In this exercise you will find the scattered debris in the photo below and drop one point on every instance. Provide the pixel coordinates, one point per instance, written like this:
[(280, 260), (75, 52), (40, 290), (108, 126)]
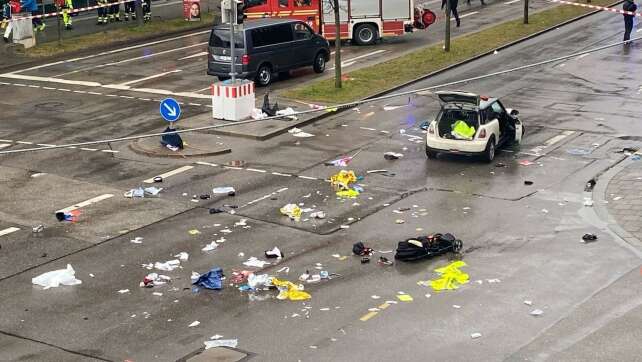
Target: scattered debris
[(361, 250), (229, 190), (392, 156), (528, 183), (142, 192), (123, 291), (166, 266), (211, 246), (588, 202), (288, 290), (451, 277), (475, 335), (255, 262), (384, 261), (587, 238), (157, 179), (193, 232), (318, 215), (590, 185), (194, 324), (38, 228), (210, 280), (427, 247), (183, 256), (526, 162), (55, 278), (299, 133), (500, 165), (137, 240), (274, 253), (528, 302), (71, 216), (231, 343), (153, 279), (365, 260), (292, 211), (537, 312), (405, 298)]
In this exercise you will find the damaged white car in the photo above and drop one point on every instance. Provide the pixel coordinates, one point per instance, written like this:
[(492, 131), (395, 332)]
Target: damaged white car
[(472, 125)]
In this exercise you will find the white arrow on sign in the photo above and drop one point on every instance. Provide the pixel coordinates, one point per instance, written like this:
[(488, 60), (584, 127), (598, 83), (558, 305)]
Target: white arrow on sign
[(171, 110)]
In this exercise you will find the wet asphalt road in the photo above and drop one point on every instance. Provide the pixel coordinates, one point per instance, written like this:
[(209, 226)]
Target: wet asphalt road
[(520, 242)]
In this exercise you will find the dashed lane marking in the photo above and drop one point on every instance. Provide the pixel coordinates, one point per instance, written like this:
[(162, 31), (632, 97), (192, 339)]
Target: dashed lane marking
[(8, 231), (11, 142), (264, 197), (260, 171), (170, 173), (4, 145), (558, 138), (368, 315), (512, 2), (86, 203)]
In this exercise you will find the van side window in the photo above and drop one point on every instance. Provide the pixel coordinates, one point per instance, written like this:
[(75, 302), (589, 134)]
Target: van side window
[(271, 35), (302, 32), (283, 3)]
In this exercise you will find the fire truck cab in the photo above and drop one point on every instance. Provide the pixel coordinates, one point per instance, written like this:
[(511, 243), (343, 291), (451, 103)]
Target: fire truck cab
[(362, 21)]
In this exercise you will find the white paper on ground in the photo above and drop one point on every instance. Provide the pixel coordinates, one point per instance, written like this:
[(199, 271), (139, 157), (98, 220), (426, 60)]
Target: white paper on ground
[(56, 278), (231, 343), (223, 190), (255, 262), (182, 256)]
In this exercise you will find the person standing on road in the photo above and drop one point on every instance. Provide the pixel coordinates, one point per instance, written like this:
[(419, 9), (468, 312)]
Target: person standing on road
[(629, 6), (114, 11), (453, 8), (147, 10), (102, 12), (65, 6), (130, 9), (32, 7)]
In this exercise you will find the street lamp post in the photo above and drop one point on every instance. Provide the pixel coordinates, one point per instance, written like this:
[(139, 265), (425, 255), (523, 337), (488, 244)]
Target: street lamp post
[(232, 44)]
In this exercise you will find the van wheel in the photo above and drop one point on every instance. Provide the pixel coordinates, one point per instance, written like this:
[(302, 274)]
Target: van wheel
[(319, 63), (431, 154), (264, 75), (365, 34), (489, 153)]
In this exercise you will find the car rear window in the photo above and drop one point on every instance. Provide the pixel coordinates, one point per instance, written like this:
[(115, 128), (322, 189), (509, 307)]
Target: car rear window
[(220, 38), (271, 35)]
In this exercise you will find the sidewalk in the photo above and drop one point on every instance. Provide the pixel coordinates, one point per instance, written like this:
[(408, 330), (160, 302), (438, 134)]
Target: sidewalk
[(624, 194)]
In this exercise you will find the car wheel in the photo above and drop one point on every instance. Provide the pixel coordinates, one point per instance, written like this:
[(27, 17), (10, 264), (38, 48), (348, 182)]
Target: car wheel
[(319, 63), (489, 153), (431, 154), (264, 75), (365, 34)]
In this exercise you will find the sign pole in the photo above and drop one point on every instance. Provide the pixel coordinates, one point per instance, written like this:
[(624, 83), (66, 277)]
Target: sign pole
[(232, 45)]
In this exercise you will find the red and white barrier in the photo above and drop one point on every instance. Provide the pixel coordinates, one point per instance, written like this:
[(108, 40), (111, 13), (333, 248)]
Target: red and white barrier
[(233, 101), (70, 11), (618, 11)]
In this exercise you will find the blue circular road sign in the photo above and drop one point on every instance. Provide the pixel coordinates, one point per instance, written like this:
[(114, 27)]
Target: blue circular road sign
[(170, 110)]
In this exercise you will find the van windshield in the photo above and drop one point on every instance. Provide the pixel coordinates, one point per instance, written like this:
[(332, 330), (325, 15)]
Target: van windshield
[(220, 38)]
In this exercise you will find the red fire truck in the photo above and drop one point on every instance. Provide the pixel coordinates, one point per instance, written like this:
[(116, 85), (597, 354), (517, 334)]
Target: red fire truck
[(362, 21)]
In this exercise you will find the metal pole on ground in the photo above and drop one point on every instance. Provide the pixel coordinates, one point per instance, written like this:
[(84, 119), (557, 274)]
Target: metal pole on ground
[(337, 45), (525, 11), (447, 40)]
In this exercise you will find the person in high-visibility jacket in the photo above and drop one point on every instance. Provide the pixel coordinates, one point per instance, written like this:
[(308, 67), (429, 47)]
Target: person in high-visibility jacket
[(130, 9), (147, 10), (65, 6), (102, 12), (114, 11)]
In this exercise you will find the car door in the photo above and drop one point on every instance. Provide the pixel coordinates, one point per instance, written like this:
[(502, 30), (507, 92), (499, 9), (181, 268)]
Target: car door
[(303, 45), (502, 121)]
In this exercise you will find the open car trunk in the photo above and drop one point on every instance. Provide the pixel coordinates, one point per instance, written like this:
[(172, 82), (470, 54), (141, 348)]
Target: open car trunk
[(448, 124)]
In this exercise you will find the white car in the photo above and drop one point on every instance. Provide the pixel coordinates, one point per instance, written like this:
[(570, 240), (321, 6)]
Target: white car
[(472, 125)]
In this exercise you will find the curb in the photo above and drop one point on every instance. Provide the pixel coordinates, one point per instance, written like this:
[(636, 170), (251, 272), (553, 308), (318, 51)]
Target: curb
[(453, 66), (98, 48), (603, 180), (151, 153)]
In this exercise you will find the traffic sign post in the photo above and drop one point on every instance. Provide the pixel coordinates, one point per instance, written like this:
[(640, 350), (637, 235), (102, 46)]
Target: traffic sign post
[(170, 110)]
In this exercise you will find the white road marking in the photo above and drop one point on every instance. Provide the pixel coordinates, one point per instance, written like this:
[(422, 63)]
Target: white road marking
[(265, 197), (193, 56), (88, 149), (511, 2), (170, 173), (86, 203), (45, 145), (8, 231), (351, 61), (558, 138), (281, 174), (109, 151), (24, 142), (587, 54), (465, 15), (115, 51), (255, 170), (49, 80), (233, 168), (307, 177), (201, 90), (150, 77), (206, 164), (4, 145), (95, 93), (10, 141), (142, 57)]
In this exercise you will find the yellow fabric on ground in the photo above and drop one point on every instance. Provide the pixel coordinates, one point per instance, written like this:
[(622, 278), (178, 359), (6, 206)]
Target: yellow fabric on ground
[(289, 290), (451, 277)]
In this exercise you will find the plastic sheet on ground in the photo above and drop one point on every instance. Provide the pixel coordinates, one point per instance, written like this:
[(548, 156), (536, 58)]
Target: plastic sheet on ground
[(167, 266), (223, 190), (255, 262), (231, 343), (211, 279), (289, 290), (56, 278), (451, 277), (256, 281), (299, 133), (292, 210)]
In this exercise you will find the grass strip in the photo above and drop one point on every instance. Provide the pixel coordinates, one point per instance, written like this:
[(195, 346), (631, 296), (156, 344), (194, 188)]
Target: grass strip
[(112, 36), (371, 80)]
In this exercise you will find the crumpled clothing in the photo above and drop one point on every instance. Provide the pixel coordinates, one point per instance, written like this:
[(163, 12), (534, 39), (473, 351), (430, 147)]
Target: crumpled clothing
[(341, 162), (343, 179), (211, 280), (350, 193), (293, 211), (289, 290), (451, 277), (461, 130)]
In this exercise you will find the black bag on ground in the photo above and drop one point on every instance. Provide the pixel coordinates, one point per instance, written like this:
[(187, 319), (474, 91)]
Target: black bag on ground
[(427, 247)]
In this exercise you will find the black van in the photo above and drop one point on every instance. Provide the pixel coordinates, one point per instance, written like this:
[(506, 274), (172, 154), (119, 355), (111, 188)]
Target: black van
[(264, 47)]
